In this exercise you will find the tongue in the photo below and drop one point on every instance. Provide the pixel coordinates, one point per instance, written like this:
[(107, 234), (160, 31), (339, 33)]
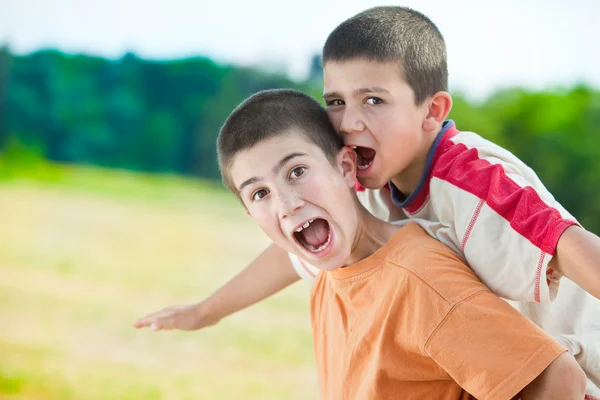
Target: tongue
[(317, 232)]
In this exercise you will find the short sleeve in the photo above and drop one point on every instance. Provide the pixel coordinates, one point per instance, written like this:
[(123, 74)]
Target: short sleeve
[(489, 349)]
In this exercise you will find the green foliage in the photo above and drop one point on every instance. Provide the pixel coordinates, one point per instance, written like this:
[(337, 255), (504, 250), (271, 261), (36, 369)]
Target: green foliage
[(165, 116), (128, 113), (18, 160)]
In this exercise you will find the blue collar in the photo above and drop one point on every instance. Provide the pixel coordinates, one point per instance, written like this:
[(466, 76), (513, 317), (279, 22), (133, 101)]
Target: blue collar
[(398, 198)]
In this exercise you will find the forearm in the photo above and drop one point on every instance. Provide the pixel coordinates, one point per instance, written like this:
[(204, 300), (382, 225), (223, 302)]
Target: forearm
[(578, 258), (269, 273)]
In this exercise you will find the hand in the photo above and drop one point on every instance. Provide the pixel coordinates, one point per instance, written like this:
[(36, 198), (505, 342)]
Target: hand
[(186, 318)]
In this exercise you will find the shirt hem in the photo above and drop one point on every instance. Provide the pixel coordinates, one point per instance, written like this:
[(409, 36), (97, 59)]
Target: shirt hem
[(524, 375)]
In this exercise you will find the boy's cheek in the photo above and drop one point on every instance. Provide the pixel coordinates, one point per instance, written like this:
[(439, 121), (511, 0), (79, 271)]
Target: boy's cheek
[(335, 120), (256, 217), (270, 229)]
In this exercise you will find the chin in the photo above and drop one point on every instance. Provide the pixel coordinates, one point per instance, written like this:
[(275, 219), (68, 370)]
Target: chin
[(372, 183)]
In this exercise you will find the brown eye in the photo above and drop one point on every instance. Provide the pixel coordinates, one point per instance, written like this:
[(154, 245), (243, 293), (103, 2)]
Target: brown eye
[(259, 194), (297, 172)]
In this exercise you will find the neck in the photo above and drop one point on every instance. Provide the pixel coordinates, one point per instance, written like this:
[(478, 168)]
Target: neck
[(408, 180), (371, 235)]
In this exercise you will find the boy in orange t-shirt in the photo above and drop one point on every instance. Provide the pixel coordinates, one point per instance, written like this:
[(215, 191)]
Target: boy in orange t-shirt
[(403, 317)]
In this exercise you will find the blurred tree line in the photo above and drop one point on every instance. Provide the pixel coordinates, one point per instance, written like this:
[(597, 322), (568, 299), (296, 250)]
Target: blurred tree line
[(164, 117), (129, 113)]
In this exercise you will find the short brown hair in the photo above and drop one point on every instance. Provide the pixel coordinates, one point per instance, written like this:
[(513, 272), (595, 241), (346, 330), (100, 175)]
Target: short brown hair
[(271, 113), (394, 34)]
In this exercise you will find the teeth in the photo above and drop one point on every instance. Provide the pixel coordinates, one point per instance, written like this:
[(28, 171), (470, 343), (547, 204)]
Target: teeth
[(363, 167), (353, 147), (306, 225)]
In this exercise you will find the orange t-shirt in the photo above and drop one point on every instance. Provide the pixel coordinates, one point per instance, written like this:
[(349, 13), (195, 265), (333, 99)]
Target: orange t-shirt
[(412, 321)]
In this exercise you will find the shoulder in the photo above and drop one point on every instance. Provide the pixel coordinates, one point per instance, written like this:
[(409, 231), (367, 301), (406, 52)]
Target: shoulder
[(466, 152), (432, 265)]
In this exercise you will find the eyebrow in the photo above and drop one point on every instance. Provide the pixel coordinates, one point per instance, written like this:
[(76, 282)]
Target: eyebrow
[(372, 89), (275, 169)]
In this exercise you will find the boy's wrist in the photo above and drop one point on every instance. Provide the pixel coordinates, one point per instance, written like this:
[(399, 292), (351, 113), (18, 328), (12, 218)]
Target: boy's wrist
[(206, 313)]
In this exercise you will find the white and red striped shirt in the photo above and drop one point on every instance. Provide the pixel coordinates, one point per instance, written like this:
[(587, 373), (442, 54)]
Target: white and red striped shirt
[(492, 209)]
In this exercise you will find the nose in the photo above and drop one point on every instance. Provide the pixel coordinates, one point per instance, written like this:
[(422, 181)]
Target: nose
[(351, 121), (289, 203)]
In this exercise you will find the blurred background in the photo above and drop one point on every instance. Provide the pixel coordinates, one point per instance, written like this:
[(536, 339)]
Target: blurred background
[(110, 204)]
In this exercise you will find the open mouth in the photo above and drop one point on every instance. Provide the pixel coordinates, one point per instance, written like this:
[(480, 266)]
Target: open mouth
[(365, 157), (314, 235)]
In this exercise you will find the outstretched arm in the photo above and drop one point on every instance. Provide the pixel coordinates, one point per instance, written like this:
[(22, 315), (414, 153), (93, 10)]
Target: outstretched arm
[(578, 258), (269, 273)]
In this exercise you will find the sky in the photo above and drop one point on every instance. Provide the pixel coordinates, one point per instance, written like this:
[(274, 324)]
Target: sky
[(532, 43)]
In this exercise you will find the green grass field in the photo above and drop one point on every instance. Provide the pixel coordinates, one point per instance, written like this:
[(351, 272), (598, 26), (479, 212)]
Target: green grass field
[(84, 252)]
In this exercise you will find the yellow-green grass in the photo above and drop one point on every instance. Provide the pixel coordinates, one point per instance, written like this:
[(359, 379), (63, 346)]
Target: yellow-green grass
[(84, 252)]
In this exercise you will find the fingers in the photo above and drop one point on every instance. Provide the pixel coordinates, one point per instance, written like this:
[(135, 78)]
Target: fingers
[(146, 321), (159, 320), (163, 323)]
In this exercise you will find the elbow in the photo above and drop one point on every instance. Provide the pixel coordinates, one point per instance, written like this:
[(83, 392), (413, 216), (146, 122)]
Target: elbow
[(562, 379)]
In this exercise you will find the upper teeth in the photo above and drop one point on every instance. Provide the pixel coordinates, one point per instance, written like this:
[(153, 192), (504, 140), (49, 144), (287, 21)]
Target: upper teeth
[(353, 147), (306, 224)]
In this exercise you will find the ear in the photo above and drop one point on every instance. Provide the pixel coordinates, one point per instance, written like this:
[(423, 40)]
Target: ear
[(439, 106), (346, 161)]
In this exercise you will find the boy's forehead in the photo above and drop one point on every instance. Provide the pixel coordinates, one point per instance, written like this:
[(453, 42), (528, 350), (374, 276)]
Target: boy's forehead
[(355, 74), (288, 140), (269, 153)]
